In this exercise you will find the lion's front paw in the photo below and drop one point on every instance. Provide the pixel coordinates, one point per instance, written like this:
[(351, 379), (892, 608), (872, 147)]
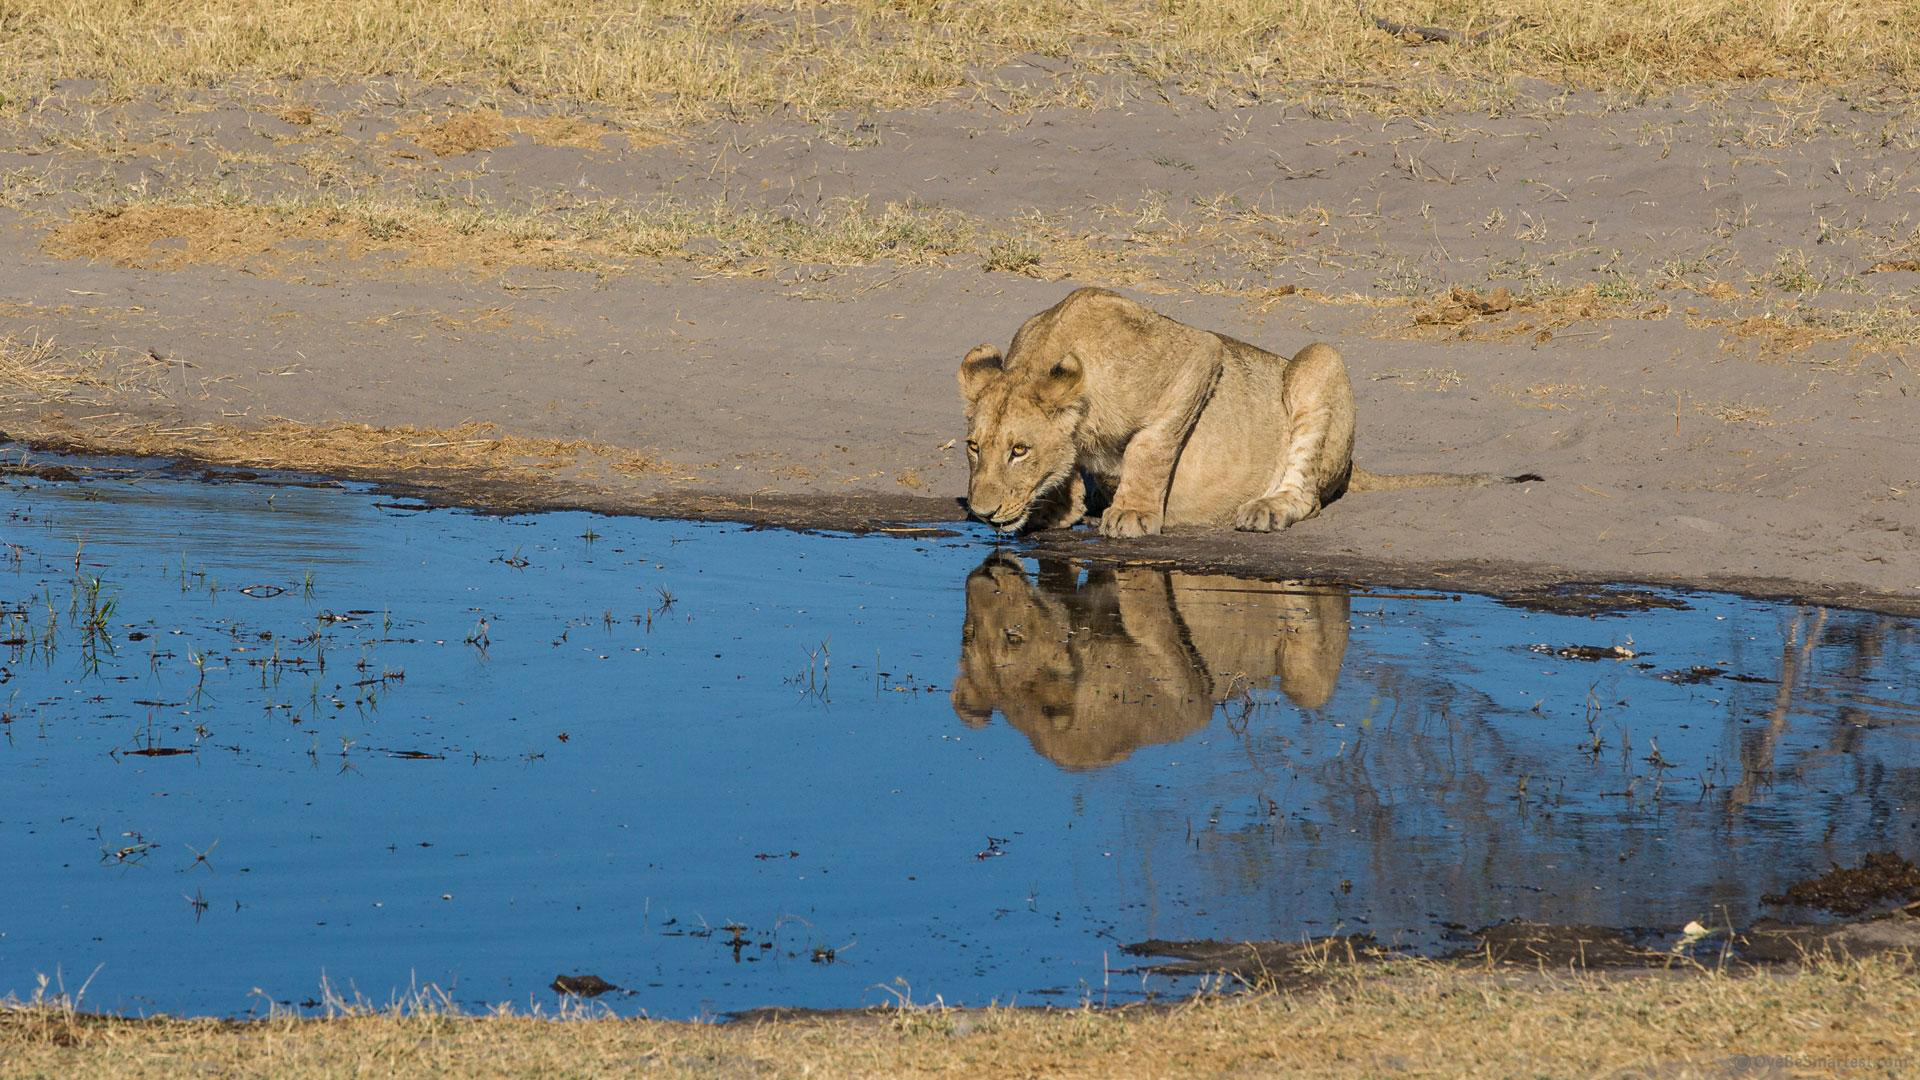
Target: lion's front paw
[(1274, 512), (1127, 524)]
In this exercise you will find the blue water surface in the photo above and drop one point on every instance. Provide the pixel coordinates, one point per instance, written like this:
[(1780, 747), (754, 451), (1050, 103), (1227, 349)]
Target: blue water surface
[(261, 736)]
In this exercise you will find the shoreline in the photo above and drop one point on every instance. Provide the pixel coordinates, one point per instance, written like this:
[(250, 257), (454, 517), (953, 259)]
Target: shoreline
[(1541, 585)]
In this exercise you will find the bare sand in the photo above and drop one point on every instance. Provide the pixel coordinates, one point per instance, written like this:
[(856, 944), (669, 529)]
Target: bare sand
[(1710, 357)]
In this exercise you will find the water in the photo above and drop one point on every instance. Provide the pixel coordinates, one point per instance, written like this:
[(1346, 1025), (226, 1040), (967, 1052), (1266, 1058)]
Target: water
[(726, 768)]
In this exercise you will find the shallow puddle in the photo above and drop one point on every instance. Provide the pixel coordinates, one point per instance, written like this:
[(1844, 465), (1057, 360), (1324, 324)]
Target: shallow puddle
[(259, 735)]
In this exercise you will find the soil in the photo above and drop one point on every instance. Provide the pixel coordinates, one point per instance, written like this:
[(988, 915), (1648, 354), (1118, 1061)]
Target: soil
[(586, 986), (1543, 946), (1881, 877), (1658, 354), (1273, 964)]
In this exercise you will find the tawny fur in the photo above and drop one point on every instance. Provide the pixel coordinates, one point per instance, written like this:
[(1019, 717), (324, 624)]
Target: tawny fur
[(1180, 426), (1091, 671)]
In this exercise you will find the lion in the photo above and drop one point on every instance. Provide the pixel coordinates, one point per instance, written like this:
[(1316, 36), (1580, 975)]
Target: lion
[(1100, 397), (1133, 656)]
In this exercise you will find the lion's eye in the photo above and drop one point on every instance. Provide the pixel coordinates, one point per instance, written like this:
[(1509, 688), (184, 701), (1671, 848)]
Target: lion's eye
[(1015, 637), (1019, 451), (972, 447)]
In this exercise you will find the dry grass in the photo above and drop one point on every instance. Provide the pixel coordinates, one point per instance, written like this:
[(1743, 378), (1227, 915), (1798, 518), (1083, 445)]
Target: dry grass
[(1465, 314), (1132, 246), (38, 372), (229, 228), (168, 234), (657, 59), (1887, 328), (1851, 1017), (485, 129), (41, 383), (475, 450)]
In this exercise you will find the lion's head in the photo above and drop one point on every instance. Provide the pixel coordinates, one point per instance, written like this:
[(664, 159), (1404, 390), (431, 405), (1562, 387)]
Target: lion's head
[(1014, 643), (1087, 671), (1021, 425)]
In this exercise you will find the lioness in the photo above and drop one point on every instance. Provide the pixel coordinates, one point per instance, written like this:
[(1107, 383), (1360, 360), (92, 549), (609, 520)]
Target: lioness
[(1101, 396), (1091, 671)]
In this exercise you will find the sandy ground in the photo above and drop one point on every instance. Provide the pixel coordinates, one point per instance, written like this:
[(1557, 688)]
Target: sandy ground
[(1710, 361)]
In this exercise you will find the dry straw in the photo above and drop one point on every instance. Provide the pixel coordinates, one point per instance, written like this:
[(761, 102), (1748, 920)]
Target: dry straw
[(658, 61)]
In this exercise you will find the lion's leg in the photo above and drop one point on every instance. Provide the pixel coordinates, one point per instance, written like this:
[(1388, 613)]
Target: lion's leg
[(1319, 447), (1151, 617), (1064, 508), (1146, 465)]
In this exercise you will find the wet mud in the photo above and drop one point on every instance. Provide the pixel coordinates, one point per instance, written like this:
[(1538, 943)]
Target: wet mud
[(1882, 877), (1534, 946)]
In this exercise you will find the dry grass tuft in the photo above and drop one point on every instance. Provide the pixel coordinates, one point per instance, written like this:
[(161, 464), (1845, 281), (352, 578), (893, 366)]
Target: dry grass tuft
[(38, 372), (1776, 336), (1888, 328), (1436, 379), (1466, 314), (487, 129), (1742, 412), (1417, 1020)]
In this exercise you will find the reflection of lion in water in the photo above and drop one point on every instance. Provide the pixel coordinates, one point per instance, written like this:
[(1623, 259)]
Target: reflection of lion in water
[(1092, 671)]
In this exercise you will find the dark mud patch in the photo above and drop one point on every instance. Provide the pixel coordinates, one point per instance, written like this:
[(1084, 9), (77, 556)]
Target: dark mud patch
[(1585, 652), (582, 986), (1590, 599), (123, 469), (1264, 964), (1536, 944), (1287, 964), (1882, 877), (1770, 942), (60, 474), (1527, 586), (1701, 674)]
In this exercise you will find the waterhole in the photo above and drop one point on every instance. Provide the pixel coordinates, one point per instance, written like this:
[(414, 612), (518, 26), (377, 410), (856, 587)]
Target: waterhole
[(266, 742)]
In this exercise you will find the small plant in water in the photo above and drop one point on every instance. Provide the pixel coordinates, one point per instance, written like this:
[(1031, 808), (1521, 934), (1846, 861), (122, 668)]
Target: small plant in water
[(478, 637), (1594, 743), (812, 680)]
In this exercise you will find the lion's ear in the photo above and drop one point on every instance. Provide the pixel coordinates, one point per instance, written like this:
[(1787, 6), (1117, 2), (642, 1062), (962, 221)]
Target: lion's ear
[(1061, 383), (981, 363)]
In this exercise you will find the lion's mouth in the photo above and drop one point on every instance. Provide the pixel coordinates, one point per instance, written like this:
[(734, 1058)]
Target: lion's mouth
[(1015, 522)]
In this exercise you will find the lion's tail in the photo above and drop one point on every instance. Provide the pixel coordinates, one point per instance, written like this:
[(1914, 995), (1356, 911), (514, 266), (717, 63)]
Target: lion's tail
[(1362, 480)]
